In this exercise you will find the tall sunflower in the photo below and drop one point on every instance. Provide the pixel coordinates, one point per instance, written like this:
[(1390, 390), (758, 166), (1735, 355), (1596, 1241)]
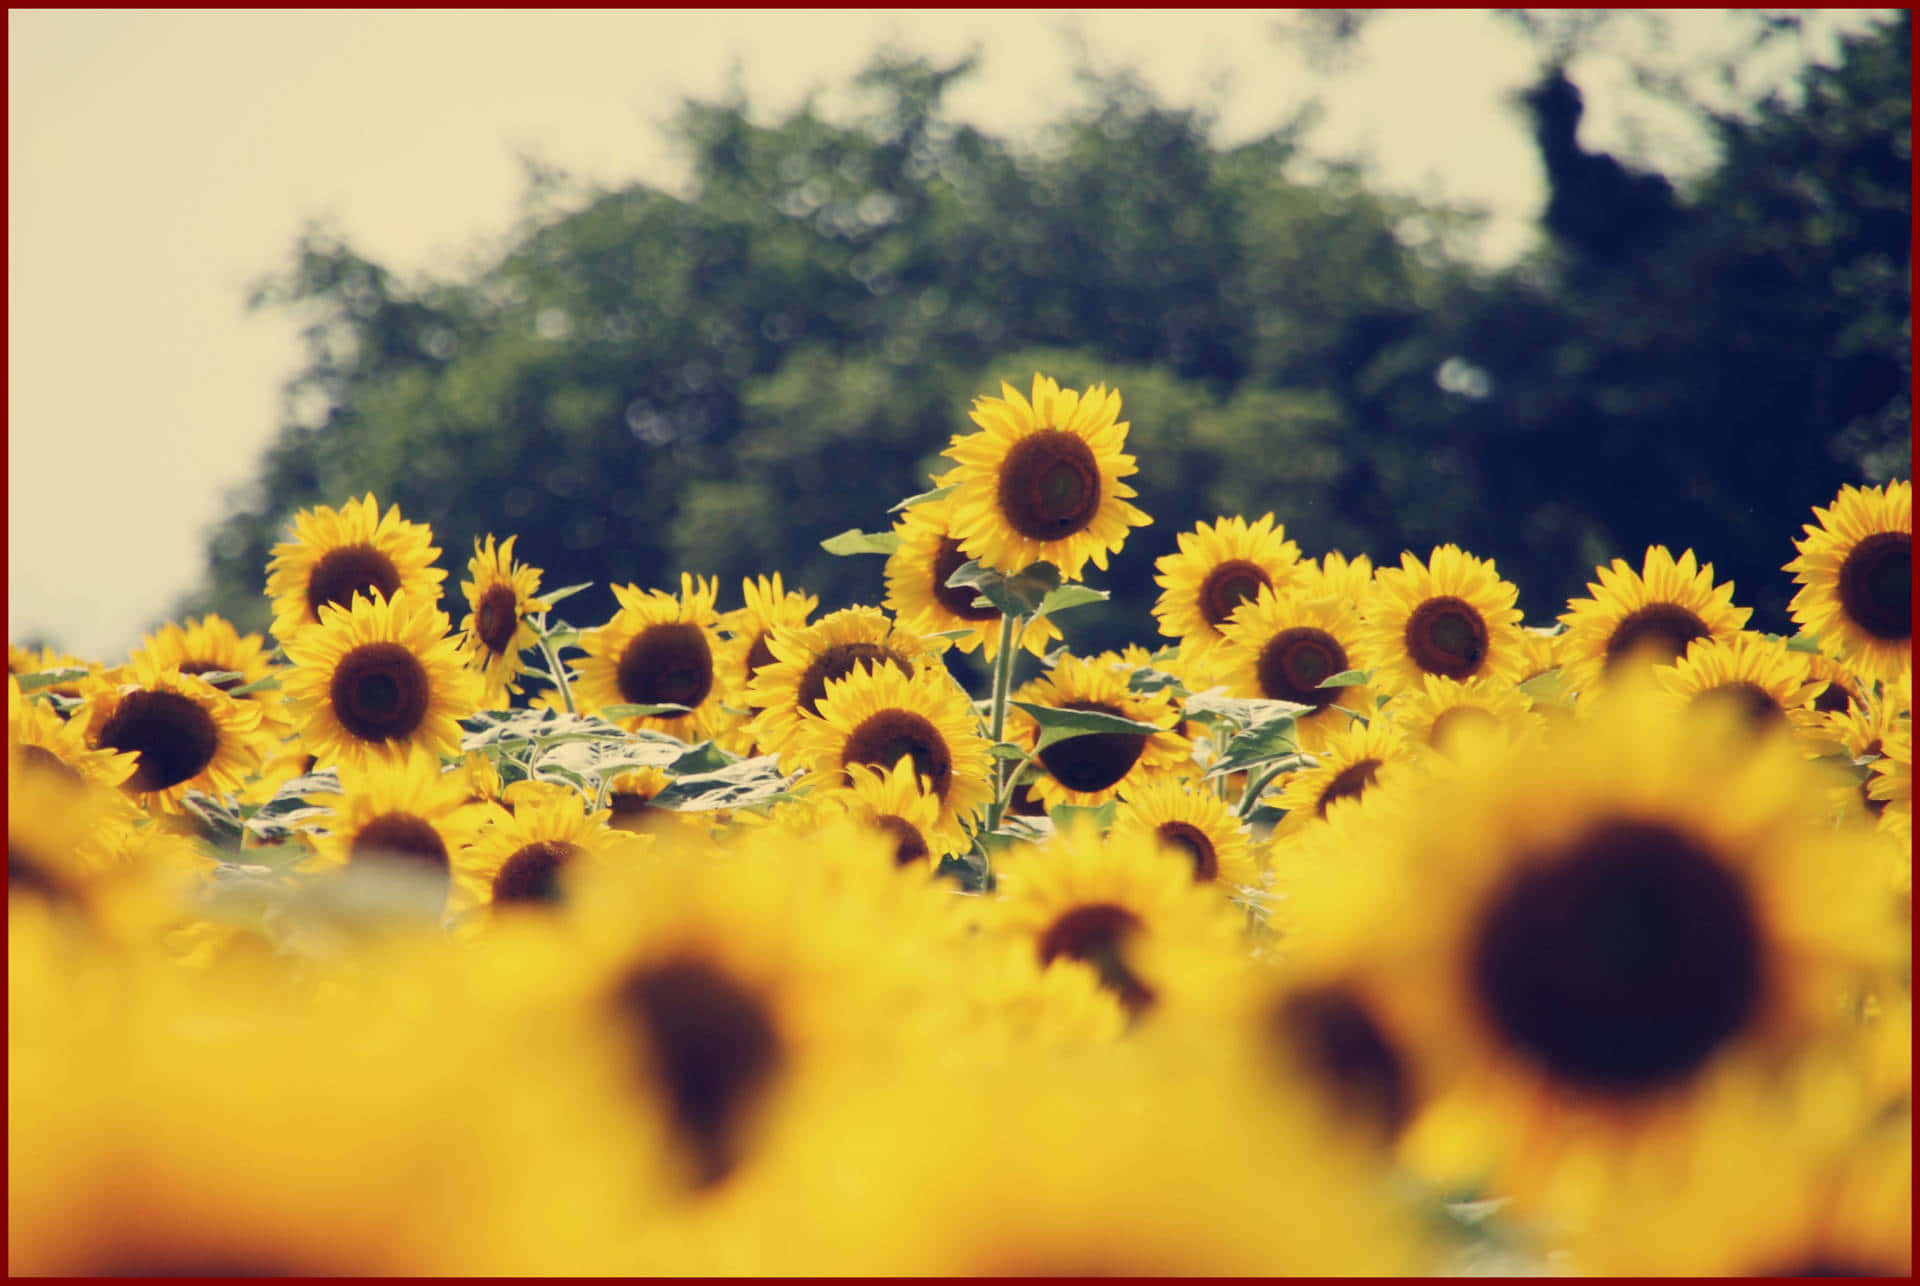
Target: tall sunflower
[(1041, 482), (377, 678), (1219, 566), (657, 650), (1283, 645), (1196, 826), (405, 814), (919, 596), (354, 550), (1452, 616), (806, 659), (495, 630), (1855, 572), (1651, 614), (186, 734), (1092, 769)]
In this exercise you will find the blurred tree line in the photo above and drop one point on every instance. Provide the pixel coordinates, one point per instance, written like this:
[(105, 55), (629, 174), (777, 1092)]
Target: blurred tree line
[(646, 383)]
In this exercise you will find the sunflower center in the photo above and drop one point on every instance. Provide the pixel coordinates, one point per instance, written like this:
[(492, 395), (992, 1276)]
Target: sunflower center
[(759, 656), (957, 599), (532, 874), (667, 664), (1876, 585), (41, 760), (1833, 699), (1459, 721), (1349, 783), (1755, 704), (1294, 663), (29, 877), (1095, 935), (712, 1044), (882, 740), (411, 844), (175, 738), (1446, 636), (837, 662), (351, 569), (909, 845), (1049, 485), (1098, 760), (1330, 1031), (631, 810), (210, 667), (1194, 844), (380, 692), (1663, 630), (1232, 583), (497, 619), (1622, 962), (1024, 802)]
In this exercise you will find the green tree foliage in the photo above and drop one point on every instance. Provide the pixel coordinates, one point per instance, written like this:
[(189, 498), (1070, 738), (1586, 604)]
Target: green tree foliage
[(644, 383)]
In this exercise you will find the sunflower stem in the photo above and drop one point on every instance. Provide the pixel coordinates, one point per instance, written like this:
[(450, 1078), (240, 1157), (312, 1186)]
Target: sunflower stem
[(555, 670), (1255, 785), (1002, 682)]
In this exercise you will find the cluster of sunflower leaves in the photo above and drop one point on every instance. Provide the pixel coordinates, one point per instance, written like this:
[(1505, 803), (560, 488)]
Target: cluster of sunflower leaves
[(1355, 928)]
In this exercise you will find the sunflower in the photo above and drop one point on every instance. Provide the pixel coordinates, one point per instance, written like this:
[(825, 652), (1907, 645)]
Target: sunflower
[(1194, 825), (1220, 566), (919, 596), (1041, 480), (1651, 614), (527, 858), (337, 554), (770, 606), (1768, 683), (1855, 572), (61, 834), (878, 716), (186, 734), (405, 815), (1348, 766), (1283, 645), (1891, 785), (495, 631), (792, 687), (1441, 712), (1092, 769), (894, 801), (44, 742), (657, 650), (24, 661), (377, 678), (1452, 616), (1346, 579)]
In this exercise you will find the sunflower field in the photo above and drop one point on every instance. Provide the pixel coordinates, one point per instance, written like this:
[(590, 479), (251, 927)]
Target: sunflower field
[(1344, 924)]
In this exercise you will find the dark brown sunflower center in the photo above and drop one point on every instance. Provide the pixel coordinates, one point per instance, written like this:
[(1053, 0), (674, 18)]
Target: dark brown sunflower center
[(1232, 583), (1049, 485), (1876, 585), (351, 569), (1098, 760), (410, 844), (1622, 962), (883, 739), (1662, 630), (712, 1045), (1096, 934), (30, 877), (957, 599), (1024, 802), (497, 619), (760, 655), (666, 664), (532, 874), (380, 692), (210, 667), (175, 738), (1330, 1032), (1349, 783), (1755, 704), (837, 662), (909, 845), (631, 810), (1193, 842), (41, 760), (1461, 720), (1446, 636), (1295, 662), (1833, 699)]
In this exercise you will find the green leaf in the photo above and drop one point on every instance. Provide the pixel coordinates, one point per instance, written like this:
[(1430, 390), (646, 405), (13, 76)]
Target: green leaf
[(642, 711), (1065, 816), (736, 785), (268, 683), (1804, 643), (494, 730), (553, 596), (607, 758), (950, 636), (1017, 595), (49, 678), (702, 759), (1346, 679), (563, 635), (1544, 686), (854, 541), (218, 677), (1007, 750), (1246, 712), (1057, 725), (1148, 679), (1273, 739), (925, 497), (1070, 596)]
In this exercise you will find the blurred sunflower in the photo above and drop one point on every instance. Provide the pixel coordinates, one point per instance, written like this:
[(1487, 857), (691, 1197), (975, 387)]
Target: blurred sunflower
[(1759, 676), (877, 716), (1282, 646), (1855, 571), (43, 742), (526, 858), (495, 631), (1347, 767), (791, 688), (24, 661), (1041, 481), (1891, 785), (769, 606), (1452, 616), (657, 650), (406, 815), (185, 733), (1092, 769), (630, 805), (1652, 615), (919, 596), (1196, 826), (1442, 712), (336, 554), (1219, 566), (373, 680), (895, 801)]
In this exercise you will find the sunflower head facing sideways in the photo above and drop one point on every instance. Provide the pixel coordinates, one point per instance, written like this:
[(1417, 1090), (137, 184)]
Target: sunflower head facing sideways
[(336, 554), (659, 649), (770, 606), (1644, 618), (918, 593), (495, 630), (1194, 826), (1855, 573), (1041, 480), (1350, 764), (1219, 566), (212, 645), (790, 689), (1451, 615)]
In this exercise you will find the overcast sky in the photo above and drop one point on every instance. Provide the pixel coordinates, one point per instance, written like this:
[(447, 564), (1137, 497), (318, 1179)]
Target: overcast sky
[(160, 162)]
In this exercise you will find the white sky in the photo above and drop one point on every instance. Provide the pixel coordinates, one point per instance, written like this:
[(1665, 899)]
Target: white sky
[(160, 162)]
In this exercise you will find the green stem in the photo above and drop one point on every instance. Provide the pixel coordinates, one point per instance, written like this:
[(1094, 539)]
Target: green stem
[(555, 670), (997, 723), (1255, 785)]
